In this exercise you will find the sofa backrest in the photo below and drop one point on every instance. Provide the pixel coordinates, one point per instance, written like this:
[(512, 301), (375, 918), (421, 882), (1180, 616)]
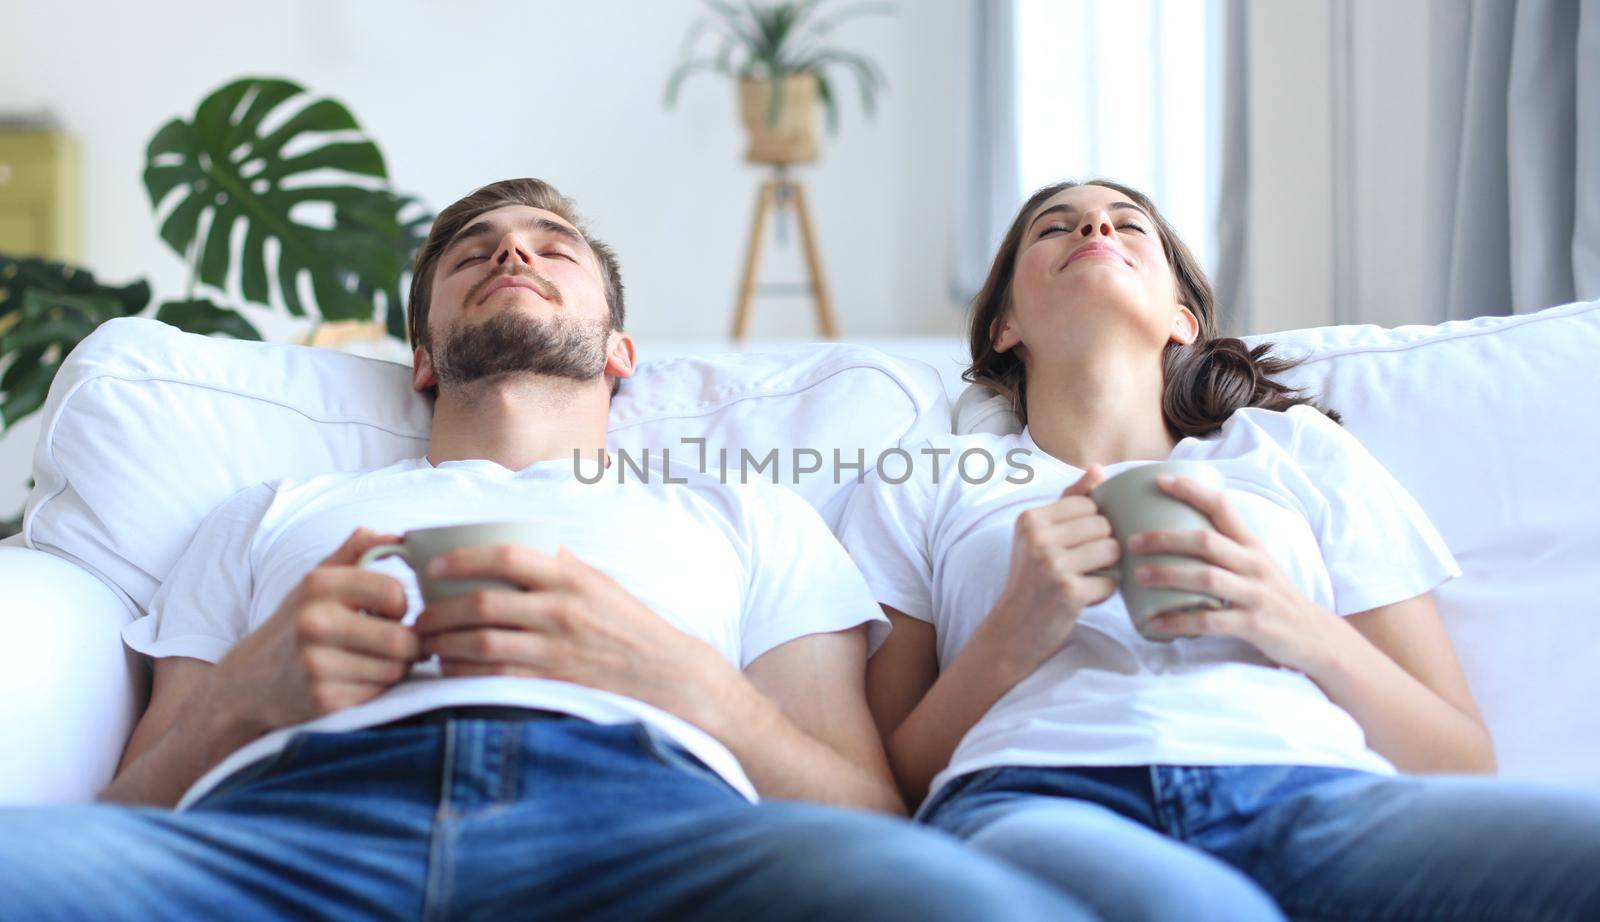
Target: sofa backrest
[(1493, 424), (147, 428)]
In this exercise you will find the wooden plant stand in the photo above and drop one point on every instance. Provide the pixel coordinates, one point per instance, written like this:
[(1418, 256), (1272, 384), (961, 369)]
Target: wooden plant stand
[(775, 196)]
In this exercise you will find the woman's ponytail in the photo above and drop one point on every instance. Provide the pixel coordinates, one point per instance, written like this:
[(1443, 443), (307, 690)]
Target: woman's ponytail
[(1207, 381)]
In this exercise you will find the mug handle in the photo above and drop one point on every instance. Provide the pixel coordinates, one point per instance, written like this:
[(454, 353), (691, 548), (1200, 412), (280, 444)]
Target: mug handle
[(381, 551), (378, 553)]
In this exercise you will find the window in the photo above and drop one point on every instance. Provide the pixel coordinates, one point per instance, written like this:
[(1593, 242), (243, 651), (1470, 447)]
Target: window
[(1130, 90)]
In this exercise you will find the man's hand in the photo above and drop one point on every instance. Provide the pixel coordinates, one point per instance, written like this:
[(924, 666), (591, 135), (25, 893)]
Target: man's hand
[(318, 653), (571, 622)]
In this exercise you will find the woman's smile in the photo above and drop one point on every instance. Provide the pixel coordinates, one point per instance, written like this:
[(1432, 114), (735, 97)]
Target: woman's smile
[(1092, 250)]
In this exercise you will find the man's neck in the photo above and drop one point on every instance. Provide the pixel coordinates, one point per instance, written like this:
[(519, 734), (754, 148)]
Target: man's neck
[(515, 422)]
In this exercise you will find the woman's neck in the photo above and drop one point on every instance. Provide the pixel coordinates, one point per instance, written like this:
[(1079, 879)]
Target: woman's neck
[(1100, 408)]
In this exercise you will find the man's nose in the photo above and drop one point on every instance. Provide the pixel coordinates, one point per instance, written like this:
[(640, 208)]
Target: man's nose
[(1096, 221), (511, 248)]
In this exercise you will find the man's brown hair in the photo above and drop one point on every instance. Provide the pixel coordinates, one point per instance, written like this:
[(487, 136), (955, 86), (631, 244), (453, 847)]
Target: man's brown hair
[(535, 193)]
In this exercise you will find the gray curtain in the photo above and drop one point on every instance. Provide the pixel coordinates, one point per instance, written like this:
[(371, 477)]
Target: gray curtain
[(1513, 196), (1232, 277), (990, 186)]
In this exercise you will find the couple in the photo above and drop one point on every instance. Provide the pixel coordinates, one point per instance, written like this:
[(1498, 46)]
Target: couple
[(677, 716)]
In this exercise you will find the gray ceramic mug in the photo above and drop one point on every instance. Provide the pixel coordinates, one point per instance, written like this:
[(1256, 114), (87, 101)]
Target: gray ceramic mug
[(1133, 503), (419, 546)]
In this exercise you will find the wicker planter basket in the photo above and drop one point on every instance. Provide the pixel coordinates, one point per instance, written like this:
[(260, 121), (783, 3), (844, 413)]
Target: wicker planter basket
[(793, 137)]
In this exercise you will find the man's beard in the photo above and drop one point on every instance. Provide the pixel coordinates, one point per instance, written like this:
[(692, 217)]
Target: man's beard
[(511, 342)]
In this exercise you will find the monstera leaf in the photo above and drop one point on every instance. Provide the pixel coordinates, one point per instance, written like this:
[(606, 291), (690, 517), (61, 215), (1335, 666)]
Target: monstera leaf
[(46, 308), (402, 221), (199, 315), (262, 155)]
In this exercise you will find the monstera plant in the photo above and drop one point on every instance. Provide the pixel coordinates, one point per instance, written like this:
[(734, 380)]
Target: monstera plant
[(261, 158), (272, 196)]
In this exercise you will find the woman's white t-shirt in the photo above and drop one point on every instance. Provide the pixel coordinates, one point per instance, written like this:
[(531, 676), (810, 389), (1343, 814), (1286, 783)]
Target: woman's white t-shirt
[(938, 546)]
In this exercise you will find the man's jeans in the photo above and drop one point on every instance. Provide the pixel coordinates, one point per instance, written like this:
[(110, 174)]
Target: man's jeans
[(549, 818), (1259, 842)]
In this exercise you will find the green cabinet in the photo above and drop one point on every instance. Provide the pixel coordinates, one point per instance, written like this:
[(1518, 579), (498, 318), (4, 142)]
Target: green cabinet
[(39, 195)]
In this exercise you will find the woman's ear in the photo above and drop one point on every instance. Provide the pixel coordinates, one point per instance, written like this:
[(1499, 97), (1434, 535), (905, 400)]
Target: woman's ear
[(1003, 333), (1185, 326)]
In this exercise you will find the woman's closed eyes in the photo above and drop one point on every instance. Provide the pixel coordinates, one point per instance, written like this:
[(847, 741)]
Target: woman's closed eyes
[(1063, 227)]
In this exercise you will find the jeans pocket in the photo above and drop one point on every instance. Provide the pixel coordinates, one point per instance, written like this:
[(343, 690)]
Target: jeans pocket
[(952, 788), (256, 770), (669, 752)]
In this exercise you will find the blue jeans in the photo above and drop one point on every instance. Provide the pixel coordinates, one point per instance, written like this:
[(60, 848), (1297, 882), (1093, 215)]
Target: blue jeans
[(551, 818), (1262, 842)]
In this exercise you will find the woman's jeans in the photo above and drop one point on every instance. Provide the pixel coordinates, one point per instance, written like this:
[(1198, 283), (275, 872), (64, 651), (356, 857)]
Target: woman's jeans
[(550, 818), (1262, 842)]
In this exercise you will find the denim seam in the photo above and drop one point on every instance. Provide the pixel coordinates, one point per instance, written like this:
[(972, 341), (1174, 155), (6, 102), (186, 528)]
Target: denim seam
[(435, 898), (440, 880), (501, 763)]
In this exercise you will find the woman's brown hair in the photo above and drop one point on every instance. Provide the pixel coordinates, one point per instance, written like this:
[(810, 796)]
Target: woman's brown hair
[(1204, 382)]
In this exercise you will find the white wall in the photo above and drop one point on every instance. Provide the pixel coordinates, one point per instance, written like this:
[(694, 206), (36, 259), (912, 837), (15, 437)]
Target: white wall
[(458, 94)]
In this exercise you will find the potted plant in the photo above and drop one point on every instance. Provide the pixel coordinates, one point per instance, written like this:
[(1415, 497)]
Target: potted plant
[(241, 163), (780, 56)]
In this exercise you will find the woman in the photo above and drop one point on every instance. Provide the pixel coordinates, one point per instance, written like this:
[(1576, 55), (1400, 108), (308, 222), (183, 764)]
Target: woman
[(1251, 767)]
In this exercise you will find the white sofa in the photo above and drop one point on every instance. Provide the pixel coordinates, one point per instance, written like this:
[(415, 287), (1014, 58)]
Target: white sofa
[(1490, 423)]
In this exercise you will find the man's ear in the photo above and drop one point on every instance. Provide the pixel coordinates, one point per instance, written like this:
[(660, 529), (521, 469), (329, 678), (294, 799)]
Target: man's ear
[(1003, 333), (620, 357), (1185, 326), (422, 376)]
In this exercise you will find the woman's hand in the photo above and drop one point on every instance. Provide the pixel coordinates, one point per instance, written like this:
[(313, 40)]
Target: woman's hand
[(1055, 549), (1264, 607)]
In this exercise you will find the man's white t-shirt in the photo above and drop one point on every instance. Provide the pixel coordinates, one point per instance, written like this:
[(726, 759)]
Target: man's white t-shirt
[(1337, 523), (744, 568)]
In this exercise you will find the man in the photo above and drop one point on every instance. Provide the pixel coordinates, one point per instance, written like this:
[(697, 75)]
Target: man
[(588, 745)]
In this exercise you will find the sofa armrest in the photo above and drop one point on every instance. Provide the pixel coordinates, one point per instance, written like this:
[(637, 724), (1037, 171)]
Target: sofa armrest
[(70, 692)]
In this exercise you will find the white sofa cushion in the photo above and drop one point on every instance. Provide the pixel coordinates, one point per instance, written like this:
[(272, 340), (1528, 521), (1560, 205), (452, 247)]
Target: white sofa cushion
[(147, 428), (1491, 424)]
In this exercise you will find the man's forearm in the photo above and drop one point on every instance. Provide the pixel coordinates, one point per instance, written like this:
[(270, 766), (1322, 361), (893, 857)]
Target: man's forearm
[(783, 761), (194, 743)]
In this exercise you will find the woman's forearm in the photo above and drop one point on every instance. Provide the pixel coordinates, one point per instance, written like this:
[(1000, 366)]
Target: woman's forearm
[(984, 670), (1405, 721)]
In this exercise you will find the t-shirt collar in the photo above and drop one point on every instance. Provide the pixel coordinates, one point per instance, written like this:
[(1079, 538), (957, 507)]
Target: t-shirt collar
[(587, 464)]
